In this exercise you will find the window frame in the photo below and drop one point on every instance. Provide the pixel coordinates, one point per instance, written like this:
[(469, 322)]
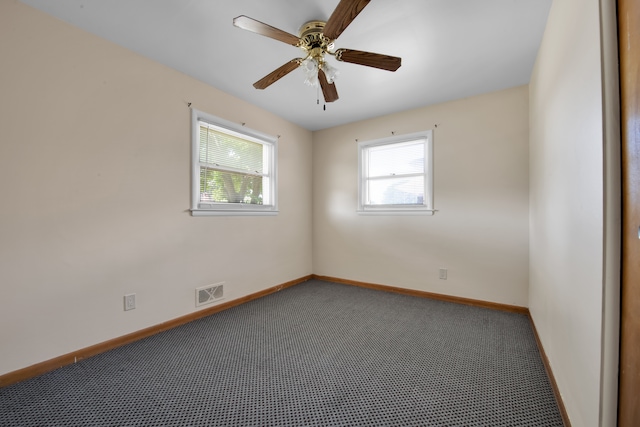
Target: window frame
[(240, 131), (426, 208)]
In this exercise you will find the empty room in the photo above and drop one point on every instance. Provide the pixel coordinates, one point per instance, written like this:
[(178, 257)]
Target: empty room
[(345, 212)]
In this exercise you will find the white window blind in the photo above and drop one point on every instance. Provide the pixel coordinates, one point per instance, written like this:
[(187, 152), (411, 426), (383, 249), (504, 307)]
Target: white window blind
[(235, 170), (232, 169), (396, 174)]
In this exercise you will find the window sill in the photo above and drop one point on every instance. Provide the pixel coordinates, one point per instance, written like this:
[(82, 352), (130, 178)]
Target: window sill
[(231, 212), (427, 212)]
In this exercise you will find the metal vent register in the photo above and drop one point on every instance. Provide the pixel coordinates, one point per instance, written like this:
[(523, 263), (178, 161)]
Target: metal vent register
[(209, 294)]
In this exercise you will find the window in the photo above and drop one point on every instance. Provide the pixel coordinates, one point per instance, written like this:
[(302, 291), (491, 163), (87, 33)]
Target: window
[(233, 168), (395, 175)]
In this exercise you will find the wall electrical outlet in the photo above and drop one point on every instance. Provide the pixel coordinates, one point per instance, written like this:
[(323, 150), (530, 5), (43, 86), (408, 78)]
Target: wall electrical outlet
[(129, 302), (443, 273)]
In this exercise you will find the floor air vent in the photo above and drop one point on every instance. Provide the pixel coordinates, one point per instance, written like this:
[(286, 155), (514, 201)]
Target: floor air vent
[(209, 294)]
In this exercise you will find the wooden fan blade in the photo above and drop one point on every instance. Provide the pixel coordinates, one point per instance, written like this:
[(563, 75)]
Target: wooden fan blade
[(263, 29), (345, 12), (376, 60), (328, 89), (277, 74)]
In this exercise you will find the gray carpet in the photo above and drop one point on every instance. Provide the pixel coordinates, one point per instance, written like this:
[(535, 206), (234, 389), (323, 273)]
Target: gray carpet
[(316, 354)]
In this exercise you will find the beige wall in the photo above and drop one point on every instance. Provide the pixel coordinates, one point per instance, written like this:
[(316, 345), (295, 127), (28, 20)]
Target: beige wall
[(95, 187), (573, 272), (480, 232)]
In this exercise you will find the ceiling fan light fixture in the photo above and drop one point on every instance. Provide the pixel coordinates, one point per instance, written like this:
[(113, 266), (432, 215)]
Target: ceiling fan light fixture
[(316, 39), (330, 72), (310, 68)]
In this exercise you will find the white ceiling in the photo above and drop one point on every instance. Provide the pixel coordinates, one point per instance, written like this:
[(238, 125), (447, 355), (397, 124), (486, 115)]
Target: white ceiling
[(450, 49)]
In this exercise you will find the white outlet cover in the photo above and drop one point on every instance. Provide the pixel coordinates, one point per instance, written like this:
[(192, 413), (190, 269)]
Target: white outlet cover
[(129, 302)]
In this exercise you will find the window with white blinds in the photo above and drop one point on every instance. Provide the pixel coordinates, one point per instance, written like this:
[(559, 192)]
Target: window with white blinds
[(233, 168), (396, 174)]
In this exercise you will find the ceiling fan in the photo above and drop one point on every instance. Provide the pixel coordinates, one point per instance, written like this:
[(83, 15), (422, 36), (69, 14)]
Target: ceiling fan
[(316, 40)]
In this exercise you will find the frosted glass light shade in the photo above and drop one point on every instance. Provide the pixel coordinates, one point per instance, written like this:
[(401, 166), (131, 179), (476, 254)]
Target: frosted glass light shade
[(310, 68), (330, 72)]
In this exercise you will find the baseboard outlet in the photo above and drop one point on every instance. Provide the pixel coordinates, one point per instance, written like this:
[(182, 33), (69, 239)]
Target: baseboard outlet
[(430, 295), (84, 353)]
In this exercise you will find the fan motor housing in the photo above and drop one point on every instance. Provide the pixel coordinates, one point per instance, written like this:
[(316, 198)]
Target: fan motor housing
[(312, 39)]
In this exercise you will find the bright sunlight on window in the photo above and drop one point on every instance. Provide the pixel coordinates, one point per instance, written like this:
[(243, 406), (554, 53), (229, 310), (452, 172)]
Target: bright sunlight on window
[(396, 174), (233, 168)]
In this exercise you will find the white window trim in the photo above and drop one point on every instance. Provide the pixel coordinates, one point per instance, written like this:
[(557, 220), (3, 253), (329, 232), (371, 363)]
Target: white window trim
[(242, 132), (427, 207)]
